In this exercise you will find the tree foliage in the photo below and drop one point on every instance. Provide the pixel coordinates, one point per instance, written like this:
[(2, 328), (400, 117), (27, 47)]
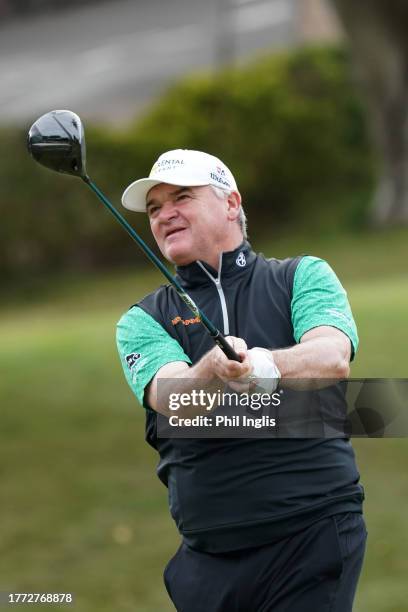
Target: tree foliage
[(290, 127), (377, 31)]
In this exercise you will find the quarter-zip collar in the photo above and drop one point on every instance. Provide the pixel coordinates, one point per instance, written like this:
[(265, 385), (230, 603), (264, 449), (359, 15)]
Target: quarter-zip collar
[(233, 264)]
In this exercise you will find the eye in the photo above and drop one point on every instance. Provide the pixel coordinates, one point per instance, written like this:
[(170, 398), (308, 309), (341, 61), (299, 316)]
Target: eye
[(152, 211), (182, 196)]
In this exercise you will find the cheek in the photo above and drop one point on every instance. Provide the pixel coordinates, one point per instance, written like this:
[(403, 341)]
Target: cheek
[(154, 230)]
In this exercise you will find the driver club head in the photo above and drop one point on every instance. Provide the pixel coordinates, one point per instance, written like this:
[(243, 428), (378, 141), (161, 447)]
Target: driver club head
[(57, 140)]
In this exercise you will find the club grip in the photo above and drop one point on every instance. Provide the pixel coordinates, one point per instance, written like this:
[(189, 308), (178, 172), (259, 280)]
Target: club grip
[(226, 348)]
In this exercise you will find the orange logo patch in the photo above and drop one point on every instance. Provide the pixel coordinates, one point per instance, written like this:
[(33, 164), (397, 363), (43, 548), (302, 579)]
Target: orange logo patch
[(185, 321)]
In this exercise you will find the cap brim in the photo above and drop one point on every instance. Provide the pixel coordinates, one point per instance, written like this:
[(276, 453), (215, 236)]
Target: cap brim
[(134, 196)]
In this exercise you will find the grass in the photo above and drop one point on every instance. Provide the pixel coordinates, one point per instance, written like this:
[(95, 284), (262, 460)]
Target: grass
[(82, 509)]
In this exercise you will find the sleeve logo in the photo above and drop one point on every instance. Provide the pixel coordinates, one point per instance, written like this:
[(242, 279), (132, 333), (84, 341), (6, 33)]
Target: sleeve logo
[(132, 359)]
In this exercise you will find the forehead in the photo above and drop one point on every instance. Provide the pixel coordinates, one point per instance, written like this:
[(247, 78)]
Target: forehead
[(163, 190)]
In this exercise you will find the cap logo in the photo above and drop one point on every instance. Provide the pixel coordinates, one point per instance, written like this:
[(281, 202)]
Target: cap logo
[(241, 260), (221, 180), (167, 164)]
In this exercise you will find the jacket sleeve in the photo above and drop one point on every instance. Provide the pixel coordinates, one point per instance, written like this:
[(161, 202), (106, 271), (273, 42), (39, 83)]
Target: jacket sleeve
[(320, 299), (144, 347)]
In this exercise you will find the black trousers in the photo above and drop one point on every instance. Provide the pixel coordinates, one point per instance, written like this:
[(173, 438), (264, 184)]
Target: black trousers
[(315, 570)]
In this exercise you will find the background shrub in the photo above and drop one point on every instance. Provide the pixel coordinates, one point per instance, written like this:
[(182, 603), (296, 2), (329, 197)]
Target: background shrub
[(290, 126)]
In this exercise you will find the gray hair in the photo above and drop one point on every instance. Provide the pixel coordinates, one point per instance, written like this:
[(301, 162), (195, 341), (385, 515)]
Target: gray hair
[(242, 220)]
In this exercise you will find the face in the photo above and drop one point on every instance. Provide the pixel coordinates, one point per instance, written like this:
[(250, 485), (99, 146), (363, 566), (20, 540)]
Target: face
[(190, 223)]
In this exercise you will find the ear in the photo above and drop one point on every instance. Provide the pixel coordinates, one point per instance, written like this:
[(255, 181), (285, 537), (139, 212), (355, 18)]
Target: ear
[(234, 204)]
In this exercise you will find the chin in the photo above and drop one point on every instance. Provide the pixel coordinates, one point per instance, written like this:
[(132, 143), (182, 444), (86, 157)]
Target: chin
[(179, 255), (180, 259)]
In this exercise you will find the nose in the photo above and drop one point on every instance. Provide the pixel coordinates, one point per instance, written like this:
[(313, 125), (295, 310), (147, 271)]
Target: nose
[(168, 211)]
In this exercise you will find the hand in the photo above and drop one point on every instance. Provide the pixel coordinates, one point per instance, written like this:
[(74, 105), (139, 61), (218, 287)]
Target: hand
[(232, 372), (265, 373)]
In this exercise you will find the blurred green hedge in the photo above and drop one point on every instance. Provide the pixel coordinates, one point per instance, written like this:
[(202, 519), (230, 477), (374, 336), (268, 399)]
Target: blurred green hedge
[(290, 126)]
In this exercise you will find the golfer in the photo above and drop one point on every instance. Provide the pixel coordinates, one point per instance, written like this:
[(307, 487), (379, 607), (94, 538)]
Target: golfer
[(266, 524)]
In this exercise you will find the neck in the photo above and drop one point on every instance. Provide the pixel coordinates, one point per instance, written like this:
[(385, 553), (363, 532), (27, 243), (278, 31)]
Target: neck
[(229, 245)]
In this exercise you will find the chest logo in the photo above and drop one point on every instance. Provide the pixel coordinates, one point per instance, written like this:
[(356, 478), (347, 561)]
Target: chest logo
[(241, 260), (185, 321)]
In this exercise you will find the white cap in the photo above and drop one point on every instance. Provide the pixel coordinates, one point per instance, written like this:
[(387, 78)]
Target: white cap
[(179, 167)]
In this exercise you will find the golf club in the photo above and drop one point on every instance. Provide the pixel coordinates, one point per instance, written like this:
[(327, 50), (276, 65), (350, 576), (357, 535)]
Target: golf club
[(57, 140)]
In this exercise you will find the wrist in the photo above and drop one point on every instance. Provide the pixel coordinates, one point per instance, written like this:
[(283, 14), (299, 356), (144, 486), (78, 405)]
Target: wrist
[(204, 367)]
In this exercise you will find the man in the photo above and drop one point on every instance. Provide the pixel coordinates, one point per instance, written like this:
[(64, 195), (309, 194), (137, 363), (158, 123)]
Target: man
[(266, 524)]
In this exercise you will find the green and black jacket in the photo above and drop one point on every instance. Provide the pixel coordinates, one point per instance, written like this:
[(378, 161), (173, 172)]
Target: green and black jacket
[(227, 494)]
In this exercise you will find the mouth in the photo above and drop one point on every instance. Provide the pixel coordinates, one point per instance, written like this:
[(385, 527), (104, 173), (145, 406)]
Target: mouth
[(174, 232)]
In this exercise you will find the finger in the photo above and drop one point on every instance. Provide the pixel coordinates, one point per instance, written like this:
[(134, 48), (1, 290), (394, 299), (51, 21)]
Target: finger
[(239, 387), (235, 371), (243, 353), (238, 344), (227, 369), (245, 369)]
